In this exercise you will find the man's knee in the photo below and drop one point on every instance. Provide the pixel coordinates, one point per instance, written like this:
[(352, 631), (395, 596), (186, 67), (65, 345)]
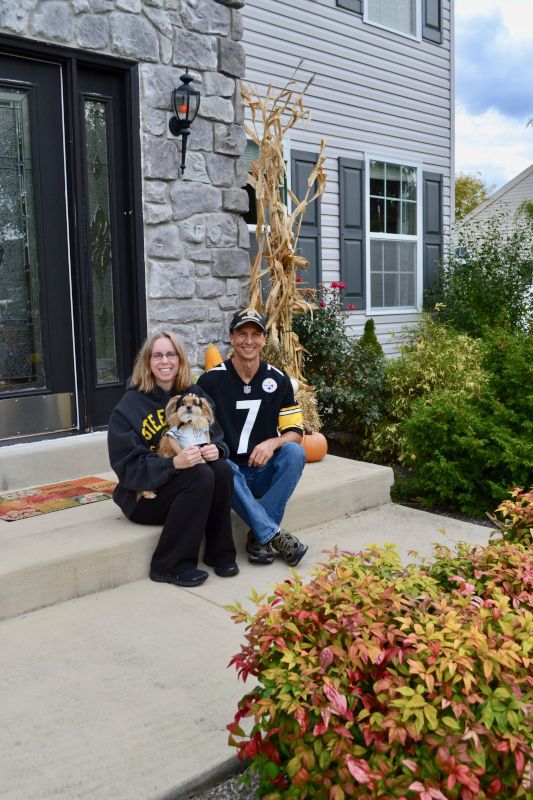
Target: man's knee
[(292, 454)]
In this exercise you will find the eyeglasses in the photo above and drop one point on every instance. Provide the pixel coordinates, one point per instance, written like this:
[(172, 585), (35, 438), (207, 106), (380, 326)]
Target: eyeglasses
[(161, 356)]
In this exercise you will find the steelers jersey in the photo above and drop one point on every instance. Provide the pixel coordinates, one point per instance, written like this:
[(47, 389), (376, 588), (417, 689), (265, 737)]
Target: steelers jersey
[(251, 412)]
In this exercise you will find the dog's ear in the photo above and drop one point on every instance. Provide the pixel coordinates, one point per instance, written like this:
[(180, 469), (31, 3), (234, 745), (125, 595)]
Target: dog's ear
[(205, 405), (173, 405)]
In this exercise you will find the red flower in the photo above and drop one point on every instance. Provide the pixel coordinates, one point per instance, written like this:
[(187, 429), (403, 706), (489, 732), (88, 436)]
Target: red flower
[(341, 285), (335, 285), (298, 279), (351, 307), (322, 304)]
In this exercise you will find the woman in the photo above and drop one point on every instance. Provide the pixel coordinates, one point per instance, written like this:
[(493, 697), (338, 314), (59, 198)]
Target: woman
[(193, 489)]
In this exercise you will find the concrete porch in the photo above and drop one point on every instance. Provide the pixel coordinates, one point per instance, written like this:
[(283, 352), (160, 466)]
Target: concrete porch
[(116, 688)]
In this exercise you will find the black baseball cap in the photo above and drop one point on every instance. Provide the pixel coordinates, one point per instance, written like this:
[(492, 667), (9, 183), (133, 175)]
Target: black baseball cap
[(248, 315)]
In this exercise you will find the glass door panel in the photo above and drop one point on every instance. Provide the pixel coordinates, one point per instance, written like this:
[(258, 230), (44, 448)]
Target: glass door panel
[(21, 337), (99, 238)]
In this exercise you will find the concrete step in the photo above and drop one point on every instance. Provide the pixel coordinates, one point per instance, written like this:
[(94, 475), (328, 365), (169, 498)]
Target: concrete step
[(52, 460), (55, 557), (125, 694)]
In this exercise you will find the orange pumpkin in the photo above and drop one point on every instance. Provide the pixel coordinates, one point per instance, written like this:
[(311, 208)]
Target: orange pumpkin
[(315, 445), (212, 357)]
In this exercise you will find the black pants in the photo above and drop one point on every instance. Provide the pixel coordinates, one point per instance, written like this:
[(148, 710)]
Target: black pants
[(194, 502)]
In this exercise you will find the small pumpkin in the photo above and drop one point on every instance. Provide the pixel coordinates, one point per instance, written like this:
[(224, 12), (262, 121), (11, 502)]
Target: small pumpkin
[(315, 445), (212, 357)]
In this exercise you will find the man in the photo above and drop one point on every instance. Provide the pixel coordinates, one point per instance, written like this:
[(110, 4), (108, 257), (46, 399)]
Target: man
[(263, 427)]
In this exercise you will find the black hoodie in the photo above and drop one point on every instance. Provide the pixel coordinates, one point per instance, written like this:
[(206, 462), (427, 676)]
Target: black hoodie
[(136, 425)]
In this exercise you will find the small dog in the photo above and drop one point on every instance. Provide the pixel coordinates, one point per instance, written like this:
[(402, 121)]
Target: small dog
[(189, 417)]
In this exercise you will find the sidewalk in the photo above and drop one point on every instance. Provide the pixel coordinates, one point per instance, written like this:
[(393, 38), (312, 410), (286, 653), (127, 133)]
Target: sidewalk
[(125, 695)]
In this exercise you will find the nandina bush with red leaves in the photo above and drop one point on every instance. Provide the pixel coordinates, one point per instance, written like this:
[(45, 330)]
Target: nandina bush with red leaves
[(514, 518), (376, 681)]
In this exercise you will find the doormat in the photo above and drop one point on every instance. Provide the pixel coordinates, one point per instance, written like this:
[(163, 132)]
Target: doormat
[(54, 497)]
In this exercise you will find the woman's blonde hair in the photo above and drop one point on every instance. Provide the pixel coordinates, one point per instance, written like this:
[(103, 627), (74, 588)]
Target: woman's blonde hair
[(142, 377)]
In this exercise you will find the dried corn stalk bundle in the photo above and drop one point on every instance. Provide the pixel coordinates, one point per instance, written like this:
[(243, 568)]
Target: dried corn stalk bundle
[(309, 406), (278, 228)]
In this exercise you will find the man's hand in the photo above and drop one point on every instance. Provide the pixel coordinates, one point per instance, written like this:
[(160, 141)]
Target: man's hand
[(188, 457), (210, 452), (262, 453)]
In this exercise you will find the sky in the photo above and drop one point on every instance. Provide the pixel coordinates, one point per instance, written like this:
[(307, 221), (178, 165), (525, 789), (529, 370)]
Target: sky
[(494, 88)]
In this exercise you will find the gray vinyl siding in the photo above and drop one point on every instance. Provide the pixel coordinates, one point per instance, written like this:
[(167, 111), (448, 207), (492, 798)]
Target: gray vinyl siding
[(391, 330), (374, 92)]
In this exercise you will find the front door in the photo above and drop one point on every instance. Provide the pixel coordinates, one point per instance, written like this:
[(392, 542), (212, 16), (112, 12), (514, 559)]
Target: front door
[(70, 289)]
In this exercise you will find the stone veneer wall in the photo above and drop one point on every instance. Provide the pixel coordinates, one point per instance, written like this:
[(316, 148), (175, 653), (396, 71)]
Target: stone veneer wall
[(194, 234)]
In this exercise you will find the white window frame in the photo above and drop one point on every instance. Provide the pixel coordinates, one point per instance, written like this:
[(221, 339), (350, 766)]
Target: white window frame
[(395, 158), (417, 36)]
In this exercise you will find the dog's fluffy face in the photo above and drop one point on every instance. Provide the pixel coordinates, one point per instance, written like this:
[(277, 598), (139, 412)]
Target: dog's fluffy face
[(189, 409)]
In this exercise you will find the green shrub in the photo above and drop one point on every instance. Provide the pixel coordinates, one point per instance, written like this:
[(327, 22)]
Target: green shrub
[(514, 518), (348, 376), (486, 277), (467, 451), (434, 357), (374, 681), (369, 338), (508, 359)]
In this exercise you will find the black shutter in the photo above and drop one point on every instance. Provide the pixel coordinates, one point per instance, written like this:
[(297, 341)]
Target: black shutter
[(432, 20), (309, 244), (351, 5), (352, 231), (432, 233)]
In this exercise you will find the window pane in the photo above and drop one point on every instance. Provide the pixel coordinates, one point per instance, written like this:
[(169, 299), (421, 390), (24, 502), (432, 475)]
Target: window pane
[(100, 233), (397, 14), (376, 287), (390, 257), (21, 349), (409, 183), (407, 289), (377, 215), (409, 219), (390, 290), (393, 216), (393, 180), (377, 178), (392, 274)]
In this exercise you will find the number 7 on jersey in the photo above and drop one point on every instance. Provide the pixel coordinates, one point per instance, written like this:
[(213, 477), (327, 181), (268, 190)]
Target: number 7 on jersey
[(253, 409)]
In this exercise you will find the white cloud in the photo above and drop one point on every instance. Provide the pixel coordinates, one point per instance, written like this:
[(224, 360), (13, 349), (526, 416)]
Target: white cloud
[(494, 87), (517, 15), (492, 144)]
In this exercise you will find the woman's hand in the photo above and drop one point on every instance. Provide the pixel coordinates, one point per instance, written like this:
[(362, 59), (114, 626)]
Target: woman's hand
[(210, 452), (188, 457)]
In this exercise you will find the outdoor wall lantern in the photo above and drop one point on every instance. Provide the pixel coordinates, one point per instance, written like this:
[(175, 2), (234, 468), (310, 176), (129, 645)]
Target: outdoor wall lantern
[(185, 105)]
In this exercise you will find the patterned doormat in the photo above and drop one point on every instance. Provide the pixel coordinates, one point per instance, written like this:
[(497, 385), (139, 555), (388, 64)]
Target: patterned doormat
[(54, 497)]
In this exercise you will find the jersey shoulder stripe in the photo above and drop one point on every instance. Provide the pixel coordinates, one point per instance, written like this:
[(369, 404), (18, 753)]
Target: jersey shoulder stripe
[(279, 371)]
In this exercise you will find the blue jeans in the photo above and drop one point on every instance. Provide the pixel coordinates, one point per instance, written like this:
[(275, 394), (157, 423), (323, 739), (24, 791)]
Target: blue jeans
[(260, 494)]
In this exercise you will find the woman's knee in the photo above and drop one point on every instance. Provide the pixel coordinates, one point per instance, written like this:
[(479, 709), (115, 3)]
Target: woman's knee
[(222, 470), (199, 478)]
